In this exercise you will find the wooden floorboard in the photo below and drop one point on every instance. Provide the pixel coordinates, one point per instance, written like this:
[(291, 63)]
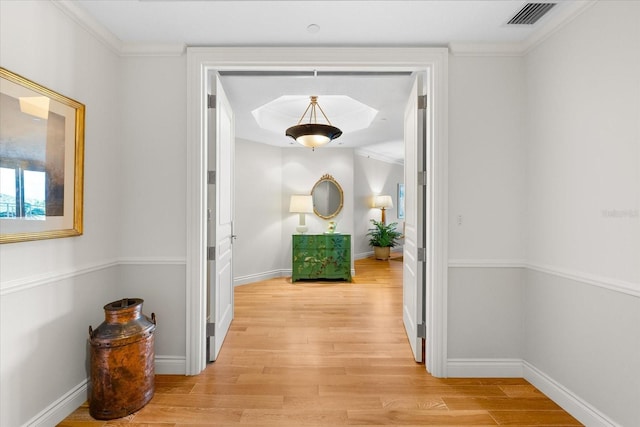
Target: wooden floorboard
[(330, 354)]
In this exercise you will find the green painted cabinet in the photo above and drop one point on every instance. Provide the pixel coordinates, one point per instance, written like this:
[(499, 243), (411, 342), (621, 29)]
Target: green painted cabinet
[(321, 256)]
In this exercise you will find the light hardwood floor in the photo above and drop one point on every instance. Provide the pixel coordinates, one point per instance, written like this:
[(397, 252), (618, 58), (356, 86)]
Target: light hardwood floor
[(330, 354)]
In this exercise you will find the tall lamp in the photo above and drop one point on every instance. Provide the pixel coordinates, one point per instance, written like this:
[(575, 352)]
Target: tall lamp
[(383, 203), (301, 204)]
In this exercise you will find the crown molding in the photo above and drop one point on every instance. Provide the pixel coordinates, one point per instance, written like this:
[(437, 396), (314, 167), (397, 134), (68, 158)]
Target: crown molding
[(377, 156), (558, 20), (486, 49), (102, 34), (149, 49), (555, 23), (90, 24)]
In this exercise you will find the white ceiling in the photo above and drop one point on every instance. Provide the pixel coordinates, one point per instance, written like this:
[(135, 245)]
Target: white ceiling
[(135, 25)]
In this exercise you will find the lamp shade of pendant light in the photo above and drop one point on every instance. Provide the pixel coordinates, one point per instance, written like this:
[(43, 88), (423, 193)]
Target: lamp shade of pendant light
[(313, 134)]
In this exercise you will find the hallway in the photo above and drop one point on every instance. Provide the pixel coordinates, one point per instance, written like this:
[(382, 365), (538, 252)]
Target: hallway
[(330, 353)]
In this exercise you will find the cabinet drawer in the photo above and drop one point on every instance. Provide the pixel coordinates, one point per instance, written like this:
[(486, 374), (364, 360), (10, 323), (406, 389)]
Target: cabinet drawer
[(321, 256)]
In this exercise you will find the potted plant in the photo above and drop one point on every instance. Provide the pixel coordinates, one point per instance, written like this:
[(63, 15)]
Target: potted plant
[(383, 237)]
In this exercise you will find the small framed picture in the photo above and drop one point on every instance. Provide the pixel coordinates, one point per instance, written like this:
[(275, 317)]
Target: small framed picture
[(400, 201)]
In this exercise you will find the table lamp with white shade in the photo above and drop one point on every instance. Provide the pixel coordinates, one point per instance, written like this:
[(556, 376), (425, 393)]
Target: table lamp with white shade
[(301, 204), (383, 202)]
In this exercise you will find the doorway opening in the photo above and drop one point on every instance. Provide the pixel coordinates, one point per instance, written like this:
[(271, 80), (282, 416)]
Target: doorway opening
[(431, 62)]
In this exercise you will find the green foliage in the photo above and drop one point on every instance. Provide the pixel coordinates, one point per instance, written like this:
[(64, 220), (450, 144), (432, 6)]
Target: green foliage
[(383, 235)]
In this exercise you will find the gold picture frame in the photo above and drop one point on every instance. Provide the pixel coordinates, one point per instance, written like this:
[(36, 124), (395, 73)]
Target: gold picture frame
[(41, 161)]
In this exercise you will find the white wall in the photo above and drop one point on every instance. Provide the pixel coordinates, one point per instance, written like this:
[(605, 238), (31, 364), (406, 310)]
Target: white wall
[(153, 165), (373, 177), (152, 208), (584, 128), (301, 169), (86, 71), (570, 311), (52, 290), (267, 176), (582, 305), (258, 213), (486, 158), (487, 193)]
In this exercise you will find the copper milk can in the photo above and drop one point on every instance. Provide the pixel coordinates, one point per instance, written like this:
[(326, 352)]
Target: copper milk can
[(122, 360)]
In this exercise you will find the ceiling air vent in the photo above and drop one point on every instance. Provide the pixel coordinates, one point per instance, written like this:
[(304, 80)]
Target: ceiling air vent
[(530, 13)]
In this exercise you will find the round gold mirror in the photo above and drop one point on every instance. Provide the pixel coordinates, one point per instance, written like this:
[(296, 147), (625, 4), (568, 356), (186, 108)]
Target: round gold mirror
[(328, 197)]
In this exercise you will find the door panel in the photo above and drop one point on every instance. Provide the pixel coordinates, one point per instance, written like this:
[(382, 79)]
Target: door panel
[(220, 229), (413, 270)]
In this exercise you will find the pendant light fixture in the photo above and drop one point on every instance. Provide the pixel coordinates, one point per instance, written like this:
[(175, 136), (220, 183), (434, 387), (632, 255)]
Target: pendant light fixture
[(313, 134)]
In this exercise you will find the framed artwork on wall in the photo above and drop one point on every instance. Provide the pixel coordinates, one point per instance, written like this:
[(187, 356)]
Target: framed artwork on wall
[(41, 161), (400, 201)]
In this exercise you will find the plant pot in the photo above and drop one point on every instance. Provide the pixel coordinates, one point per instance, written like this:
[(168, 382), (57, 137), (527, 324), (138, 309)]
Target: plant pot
[(382, 252)]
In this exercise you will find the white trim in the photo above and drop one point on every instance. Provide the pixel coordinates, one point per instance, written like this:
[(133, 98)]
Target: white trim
[(24, 283), (555, 22), (485, 368), (90, 24), (77, 396), (153, 261), (486, 49), (61, 408), (611, 284), (419, 59), (266, 275), (518, 368), (136, 49), (487, 263), (377, 156), (622, 286), (170, 365), (102, 34), (196, 220), (569, 401), (437, 226), (362, 255)]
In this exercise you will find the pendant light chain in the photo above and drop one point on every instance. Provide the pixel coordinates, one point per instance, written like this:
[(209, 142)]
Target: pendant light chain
[(313, 134), (313, 115), (322, 111)]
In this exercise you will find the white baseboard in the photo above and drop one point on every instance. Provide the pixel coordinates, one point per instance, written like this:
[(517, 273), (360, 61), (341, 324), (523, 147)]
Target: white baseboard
[(61, 408), (250, 278), (486, 263), (76, 397), (171, 365), (484, 368), (517, 368), (574, 405), (362, 255)]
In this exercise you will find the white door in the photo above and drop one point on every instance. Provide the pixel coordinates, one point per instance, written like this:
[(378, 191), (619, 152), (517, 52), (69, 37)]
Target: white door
[(413, 272), (220, 159)]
